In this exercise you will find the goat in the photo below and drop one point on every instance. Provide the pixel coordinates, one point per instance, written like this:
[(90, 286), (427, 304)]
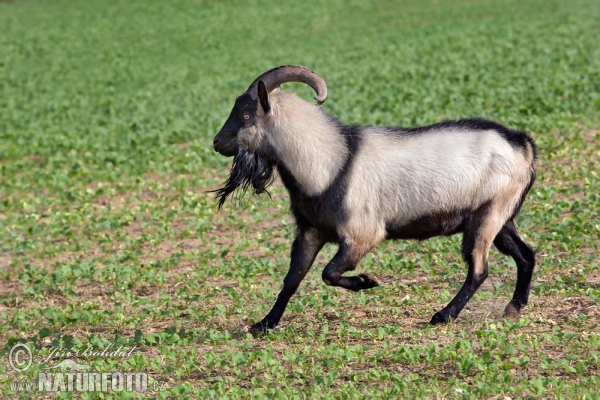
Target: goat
[(359, 185)]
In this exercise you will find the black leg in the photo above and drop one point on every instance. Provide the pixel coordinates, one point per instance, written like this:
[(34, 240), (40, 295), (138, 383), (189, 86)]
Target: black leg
[(304, 251), (346, 259), (509, 242), (477, 239), (472, 283)]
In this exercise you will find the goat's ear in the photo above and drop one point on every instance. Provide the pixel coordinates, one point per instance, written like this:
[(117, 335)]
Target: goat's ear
[(263, 96)]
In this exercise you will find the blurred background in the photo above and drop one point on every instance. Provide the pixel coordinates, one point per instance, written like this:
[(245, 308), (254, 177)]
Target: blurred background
[(106, 87)]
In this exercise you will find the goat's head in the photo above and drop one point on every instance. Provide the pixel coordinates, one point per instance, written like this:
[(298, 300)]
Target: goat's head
[(245, 126), (244, 133)]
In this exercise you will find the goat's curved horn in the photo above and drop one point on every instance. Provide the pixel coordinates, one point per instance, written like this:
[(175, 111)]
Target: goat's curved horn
[(290, 73)]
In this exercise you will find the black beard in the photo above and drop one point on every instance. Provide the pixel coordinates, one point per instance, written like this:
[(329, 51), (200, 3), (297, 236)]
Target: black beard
[(249, 168)]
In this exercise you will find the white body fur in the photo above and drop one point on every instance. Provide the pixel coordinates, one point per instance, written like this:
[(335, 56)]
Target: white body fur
[(305, 141), (396, 178)]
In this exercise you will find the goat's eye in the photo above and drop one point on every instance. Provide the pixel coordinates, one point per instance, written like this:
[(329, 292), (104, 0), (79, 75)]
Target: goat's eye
[(246, 116)]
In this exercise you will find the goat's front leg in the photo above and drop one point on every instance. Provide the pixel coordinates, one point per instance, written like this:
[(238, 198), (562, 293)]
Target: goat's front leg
[(346, 259), (304, 250)]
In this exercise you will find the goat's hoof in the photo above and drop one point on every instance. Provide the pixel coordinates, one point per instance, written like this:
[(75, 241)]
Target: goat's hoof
[(368, 281), (258, 329), (439, 319), (512, 311)]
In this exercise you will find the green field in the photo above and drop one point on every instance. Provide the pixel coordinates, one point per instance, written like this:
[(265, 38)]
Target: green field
[(108, 235)]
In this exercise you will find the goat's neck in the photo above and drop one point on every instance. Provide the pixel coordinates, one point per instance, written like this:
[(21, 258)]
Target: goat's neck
[(307, 141)]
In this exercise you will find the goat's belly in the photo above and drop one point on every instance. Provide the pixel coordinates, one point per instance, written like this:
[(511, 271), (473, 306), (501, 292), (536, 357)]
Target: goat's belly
[(430, 225)]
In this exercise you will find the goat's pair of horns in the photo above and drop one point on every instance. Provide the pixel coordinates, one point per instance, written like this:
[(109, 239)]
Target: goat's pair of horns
[(290, 73)]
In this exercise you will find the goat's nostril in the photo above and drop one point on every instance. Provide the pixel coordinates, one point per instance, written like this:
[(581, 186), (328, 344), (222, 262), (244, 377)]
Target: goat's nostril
[(215, 141)]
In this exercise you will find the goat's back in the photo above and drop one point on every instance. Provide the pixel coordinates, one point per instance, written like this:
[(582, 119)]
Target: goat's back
[(401, 175)]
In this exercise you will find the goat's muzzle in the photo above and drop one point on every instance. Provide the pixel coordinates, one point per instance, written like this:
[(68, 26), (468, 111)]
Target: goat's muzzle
[(224, 147), (225, 142)]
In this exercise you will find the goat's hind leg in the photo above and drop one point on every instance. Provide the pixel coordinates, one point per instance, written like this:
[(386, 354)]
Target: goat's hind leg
[(509, 242), (346, 259), (304, 251), (477, 239)]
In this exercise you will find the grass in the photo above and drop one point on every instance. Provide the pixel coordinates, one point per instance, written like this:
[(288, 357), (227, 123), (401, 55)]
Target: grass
[(108, 234)]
